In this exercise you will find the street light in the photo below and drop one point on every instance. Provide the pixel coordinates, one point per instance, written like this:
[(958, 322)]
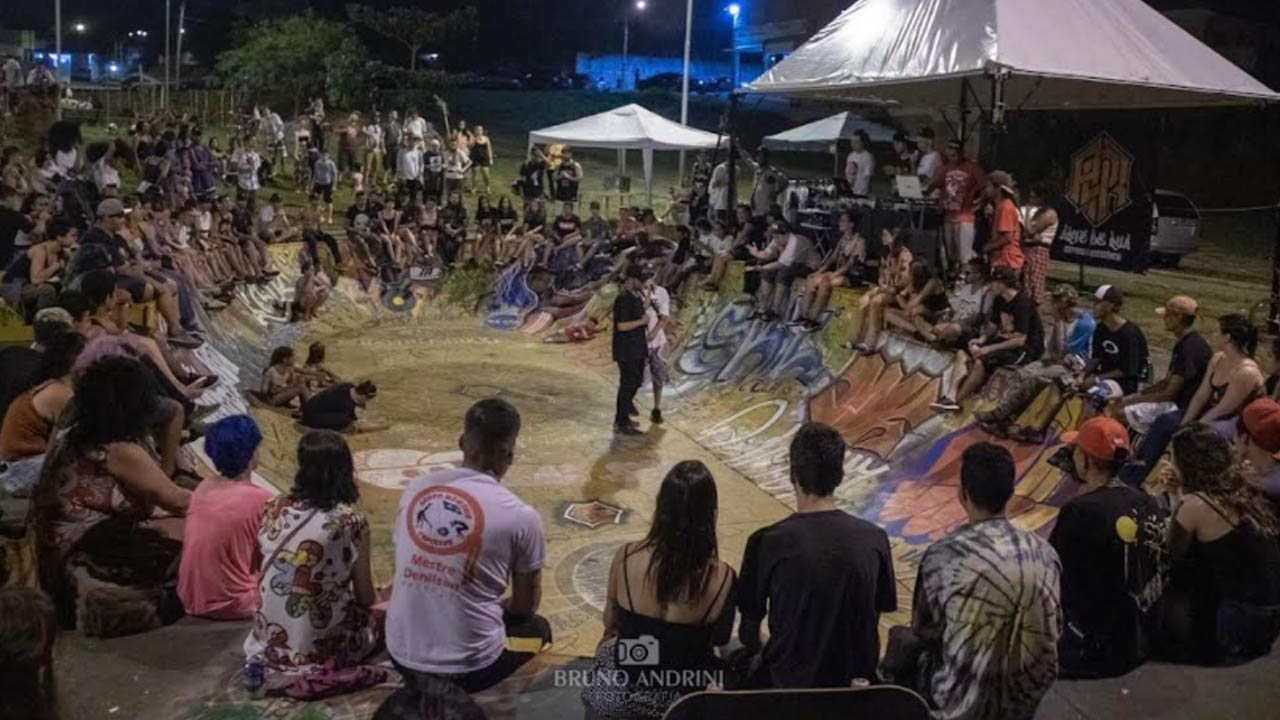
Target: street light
[(626, 39), (734, 11), (684, 80), (80, 27)]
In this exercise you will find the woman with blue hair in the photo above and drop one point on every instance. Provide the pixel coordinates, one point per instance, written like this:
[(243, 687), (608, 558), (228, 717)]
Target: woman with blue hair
[(218, 576)]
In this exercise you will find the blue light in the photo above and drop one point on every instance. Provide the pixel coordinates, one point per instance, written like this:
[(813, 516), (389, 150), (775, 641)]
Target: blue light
[(734, 9), (113, 68), (37, 55)]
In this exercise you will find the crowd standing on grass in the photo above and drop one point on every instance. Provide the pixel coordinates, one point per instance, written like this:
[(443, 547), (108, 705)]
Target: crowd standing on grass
[(1149, 559)]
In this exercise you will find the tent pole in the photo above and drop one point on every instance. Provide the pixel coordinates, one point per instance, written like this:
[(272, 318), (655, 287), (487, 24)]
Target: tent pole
[(1273, 320), (997, 78), (964, 113), (730, 123)]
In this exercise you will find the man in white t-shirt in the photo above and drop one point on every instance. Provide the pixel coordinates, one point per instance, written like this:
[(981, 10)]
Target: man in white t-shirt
[(461, 539), (414, 124), (657, 310), (860, 165), (790, 256), (930, 159)]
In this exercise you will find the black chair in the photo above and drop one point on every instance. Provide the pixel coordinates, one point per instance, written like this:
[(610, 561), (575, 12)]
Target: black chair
[(881, 702)]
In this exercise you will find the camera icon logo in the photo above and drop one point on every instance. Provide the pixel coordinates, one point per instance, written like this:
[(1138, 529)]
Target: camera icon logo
[(642, 651)]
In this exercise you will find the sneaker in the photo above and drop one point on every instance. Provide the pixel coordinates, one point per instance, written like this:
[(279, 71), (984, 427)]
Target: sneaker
[(655, 417), (946, 405), (634, 411), (626, 430)]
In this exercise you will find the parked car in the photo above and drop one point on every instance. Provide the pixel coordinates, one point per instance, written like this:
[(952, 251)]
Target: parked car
[(661, 81), (1175, 228), (494, 81)]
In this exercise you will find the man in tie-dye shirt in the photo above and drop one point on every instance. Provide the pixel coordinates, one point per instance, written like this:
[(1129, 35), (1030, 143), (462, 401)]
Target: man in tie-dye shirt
[(983, 640)]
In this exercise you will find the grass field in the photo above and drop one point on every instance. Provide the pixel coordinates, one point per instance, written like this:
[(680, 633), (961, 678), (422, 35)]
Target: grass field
[(1229, 273)]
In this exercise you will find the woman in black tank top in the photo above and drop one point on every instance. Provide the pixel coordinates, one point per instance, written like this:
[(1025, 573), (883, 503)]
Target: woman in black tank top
[(1223, 601), (669, 603)]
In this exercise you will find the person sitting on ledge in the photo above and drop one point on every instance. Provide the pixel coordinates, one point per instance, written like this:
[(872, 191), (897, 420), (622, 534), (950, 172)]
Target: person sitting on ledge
[(1223, 601), (1119, 352), (672, 587), (94, 505), (337, 407), (823, 608), (1108, 538), (447, 616), (1067, 352), (749, 235), (1258, 442), (218, 575), (970, 307), (921, 305), (317, 585), (1173, 393), (982, 644), (1013, 336), (29, 421), (282, 383), (1231, 380), (844, 266), (791, 257), (20, 366), (894, 276)]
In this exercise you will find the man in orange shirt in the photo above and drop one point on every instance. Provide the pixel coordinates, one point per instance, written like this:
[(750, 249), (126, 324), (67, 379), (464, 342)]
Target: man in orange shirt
[(1004, 249)]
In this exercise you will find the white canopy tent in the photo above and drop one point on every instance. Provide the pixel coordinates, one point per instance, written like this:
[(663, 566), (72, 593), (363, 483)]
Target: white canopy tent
[(630, 127), (820, 135), (1039, 54)]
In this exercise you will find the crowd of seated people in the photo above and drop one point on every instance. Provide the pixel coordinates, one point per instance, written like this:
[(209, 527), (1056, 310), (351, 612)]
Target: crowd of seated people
[(96, 410)]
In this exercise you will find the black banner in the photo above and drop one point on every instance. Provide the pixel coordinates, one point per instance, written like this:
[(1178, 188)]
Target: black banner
[(1105, 208)]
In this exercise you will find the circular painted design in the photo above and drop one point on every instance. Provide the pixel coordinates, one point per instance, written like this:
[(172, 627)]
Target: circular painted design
[(444, 520), (393, 468)]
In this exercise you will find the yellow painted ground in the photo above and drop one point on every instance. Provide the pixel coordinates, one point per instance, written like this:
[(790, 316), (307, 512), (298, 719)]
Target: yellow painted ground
[(429, 373)]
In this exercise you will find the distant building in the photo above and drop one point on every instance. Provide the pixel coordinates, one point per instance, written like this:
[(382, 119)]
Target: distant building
[(607, 71)]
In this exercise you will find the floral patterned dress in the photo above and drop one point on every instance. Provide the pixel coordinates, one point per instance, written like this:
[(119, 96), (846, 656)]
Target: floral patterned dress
[(309, 615)]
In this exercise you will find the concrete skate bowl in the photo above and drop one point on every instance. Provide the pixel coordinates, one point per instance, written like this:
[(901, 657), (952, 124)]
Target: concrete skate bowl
[(740, 389)]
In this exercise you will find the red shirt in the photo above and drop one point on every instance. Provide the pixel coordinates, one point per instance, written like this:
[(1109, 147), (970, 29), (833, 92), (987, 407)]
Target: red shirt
[(1006, 221), (960, 181)]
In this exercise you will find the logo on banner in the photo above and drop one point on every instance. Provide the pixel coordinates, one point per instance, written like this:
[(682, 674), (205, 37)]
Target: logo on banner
[(1101, 179)]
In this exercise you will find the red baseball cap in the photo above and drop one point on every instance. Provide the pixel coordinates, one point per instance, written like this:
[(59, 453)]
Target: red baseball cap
[(1099, 438), (1261, 420)]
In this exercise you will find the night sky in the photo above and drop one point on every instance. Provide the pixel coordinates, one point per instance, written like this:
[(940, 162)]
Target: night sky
[(514, 34)]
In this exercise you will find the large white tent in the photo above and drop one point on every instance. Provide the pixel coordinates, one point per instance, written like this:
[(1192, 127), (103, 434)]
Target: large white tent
[(630, 127), (820, 135), (1046, 54)]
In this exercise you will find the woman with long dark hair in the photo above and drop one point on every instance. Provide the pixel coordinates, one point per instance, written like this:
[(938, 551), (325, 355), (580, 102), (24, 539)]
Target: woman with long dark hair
[(28, 629), (672, 587), (317, 586), (921, 305), (1223, 603), (93, 506), (895, 278), (1233, 378)]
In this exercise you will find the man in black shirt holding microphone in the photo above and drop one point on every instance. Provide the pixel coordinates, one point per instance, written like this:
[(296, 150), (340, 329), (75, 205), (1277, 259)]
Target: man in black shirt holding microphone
[(630, 346)]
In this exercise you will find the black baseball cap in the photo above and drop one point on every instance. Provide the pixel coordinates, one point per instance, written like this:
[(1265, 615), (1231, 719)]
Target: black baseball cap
[(1006, 276)]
